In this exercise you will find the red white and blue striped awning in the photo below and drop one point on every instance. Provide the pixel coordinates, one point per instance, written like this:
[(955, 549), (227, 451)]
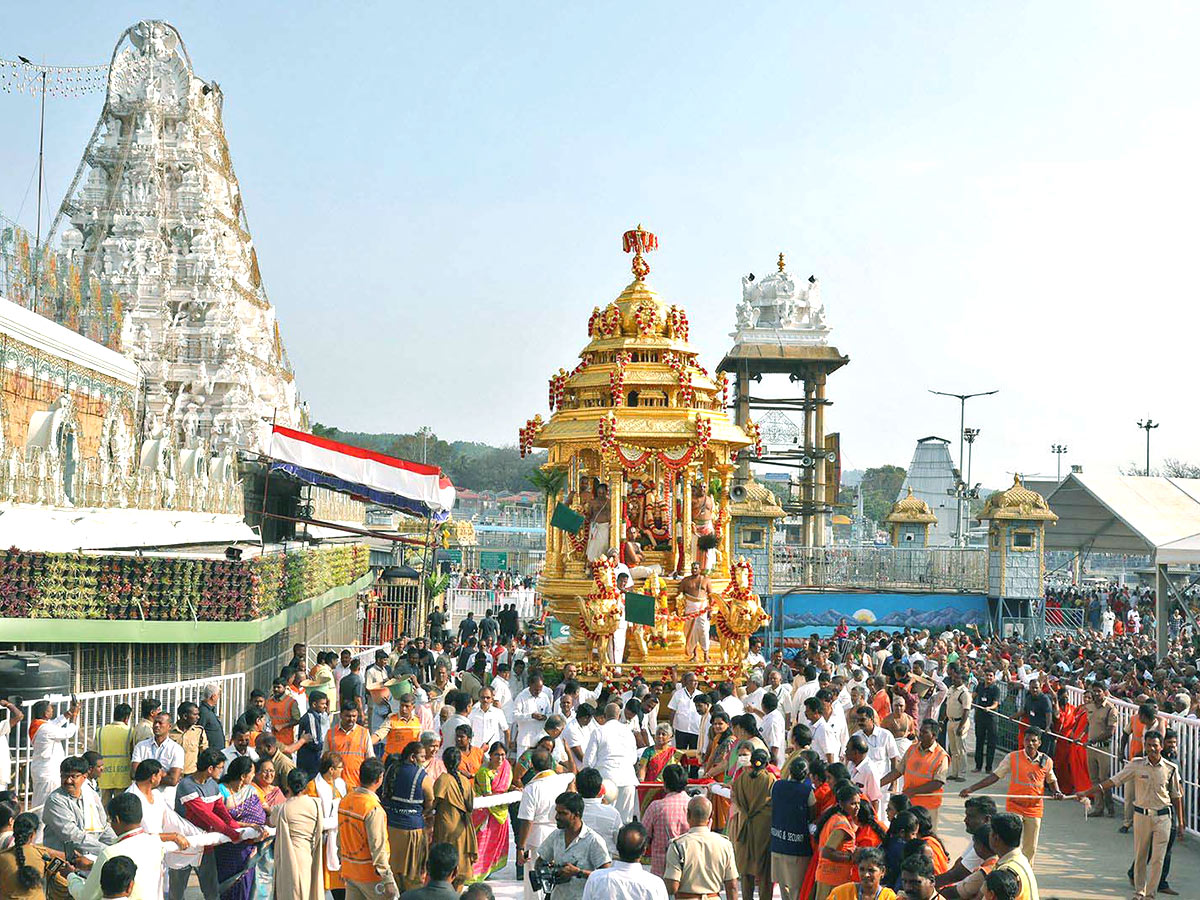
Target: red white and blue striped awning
[(410, 487)]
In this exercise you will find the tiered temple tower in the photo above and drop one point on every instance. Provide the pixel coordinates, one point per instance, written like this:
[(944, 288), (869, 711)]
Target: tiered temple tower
[(156, 212), (639, 429)]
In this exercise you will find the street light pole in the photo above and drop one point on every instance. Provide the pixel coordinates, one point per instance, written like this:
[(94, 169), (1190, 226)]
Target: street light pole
[(1058, 450), (962, 422), (1146, 425)]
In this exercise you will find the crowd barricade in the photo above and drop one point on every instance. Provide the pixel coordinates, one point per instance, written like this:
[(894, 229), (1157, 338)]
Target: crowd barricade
[(96, 709), (460, 601), (1189, 753)]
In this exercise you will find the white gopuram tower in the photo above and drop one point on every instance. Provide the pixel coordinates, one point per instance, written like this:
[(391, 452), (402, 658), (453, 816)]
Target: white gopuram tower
[(156, 212)]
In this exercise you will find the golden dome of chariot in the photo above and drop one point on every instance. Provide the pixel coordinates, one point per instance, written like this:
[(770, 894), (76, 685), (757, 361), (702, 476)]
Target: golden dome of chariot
[(911, 510), (1018, 502)]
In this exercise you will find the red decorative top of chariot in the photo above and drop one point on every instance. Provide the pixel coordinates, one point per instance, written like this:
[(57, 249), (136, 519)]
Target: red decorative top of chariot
[(637, 242)]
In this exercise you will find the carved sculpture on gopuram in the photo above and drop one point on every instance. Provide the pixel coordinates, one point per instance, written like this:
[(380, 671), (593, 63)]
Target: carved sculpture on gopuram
[(642, 450), (155, 212)]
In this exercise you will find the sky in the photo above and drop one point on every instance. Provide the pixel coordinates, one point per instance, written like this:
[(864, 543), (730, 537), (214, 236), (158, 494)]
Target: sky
[(994, 196)]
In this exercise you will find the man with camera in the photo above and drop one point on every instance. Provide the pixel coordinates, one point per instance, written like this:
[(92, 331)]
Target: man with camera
[(570, 854)]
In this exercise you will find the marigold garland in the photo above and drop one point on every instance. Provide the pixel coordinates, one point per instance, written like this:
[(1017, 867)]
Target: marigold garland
[(527, 434), (558, 383)]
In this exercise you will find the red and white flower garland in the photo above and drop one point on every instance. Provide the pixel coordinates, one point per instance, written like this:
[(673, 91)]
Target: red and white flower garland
[(704, 431), (753, 429), (558, 382), (610, 319), (646, 317), (616, 378), (608, 433), (527, 434), (677, 323)]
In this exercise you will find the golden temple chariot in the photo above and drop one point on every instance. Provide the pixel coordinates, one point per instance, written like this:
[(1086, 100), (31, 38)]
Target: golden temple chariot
[(641, 447)]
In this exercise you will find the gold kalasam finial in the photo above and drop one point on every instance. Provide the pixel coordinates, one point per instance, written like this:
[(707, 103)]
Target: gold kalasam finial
[(781, 261), (637, 242)]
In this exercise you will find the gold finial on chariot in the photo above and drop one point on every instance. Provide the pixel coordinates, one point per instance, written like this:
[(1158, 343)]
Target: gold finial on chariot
[(637, 242)]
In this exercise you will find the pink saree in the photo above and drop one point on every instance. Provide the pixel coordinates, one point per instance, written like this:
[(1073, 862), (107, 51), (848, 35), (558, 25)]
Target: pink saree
[(491, 824)]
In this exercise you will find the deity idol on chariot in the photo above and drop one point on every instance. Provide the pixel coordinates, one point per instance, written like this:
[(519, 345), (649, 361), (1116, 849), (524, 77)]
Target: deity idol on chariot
[(641, 455)]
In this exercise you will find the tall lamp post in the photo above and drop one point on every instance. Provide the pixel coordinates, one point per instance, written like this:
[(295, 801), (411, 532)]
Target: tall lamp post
[(1146, 425), (962, 422), (1058, 450)]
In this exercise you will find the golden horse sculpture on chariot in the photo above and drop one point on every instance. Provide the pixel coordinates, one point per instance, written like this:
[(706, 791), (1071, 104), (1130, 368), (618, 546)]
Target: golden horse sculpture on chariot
[(737, 614)]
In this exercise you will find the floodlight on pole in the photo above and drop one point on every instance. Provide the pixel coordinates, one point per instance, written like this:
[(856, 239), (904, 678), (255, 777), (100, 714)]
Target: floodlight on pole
[(962, 422), (1146, 425), (1058, 450)]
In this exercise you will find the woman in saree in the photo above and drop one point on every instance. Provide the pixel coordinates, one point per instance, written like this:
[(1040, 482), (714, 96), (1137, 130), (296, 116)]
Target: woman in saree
[(751, 796), (716, 763), (407, 796), (271, 798), (329, 788), (495, 776), (241, 799), (453, 800), (653, 760)]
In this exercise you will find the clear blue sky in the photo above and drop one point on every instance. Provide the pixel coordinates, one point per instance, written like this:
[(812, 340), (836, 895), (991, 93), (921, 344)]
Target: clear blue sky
[(993, 195)]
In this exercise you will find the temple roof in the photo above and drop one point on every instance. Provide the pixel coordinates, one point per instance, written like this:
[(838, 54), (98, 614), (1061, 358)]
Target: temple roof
[(1018, 502), (911, 510)]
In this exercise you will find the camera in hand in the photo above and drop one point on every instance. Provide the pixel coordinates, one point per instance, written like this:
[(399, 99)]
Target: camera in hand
[(545, 876)]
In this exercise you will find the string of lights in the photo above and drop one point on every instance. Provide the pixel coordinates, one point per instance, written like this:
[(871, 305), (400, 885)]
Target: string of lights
[(20, 77)]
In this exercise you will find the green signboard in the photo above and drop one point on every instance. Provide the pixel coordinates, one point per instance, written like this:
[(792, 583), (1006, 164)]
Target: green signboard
[(493, 560), (453, 556)]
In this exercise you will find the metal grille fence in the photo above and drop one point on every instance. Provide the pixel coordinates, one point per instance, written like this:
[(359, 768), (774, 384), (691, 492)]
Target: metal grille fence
[(460, 601), (881, 568), (96, 709), (1188, 730)]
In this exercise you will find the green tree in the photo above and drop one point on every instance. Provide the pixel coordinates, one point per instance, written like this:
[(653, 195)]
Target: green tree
[(879, 487)]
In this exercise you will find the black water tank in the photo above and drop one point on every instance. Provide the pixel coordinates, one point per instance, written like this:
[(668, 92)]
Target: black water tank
[(33, 674)]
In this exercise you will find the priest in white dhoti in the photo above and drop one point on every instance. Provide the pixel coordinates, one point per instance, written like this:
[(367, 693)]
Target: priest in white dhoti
[(695, 589), (599, 524)]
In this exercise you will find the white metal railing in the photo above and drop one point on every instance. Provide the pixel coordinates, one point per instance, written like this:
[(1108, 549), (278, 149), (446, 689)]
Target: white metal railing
[(1060, 619), (96, 709), (460, 601), (1189, 753), (881, 568)]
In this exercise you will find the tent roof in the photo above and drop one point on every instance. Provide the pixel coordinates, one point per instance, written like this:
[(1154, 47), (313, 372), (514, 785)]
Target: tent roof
[(1127, 514)]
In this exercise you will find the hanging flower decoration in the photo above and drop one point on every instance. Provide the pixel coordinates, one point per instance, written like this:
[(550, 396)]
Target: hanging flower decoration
[(704, 431), (610, 320), (677, 323), (526, 435), (646, 317), (754, 431), (558, 382), (723, 384), (616, 378), (608, 433)]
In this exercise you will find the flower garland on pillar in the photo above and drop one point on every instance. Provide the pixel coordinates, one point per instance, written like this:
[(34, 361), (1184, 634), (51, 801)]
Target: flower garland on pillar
[(527, 435), (754, 431), (607, 430), (723, 384), (616, 378), (677, 323), (610, 320)]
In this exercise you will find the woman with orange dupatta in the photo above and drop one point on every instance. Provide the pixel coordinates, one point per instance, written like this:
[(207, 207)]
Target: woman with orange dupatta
[(941, 859), (717, 764), (495, 776), (822, 802), (653, 760), (835, 846), (1070, 756)]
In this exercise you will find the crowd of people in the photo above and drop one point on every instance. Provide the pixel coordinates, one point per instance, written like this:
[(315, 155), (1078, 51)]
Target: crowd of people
[(824, 772)]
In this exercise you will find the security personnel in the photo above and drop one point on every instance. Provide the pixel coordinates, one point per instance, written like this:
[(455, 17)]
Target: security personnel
[(114, 743), (400, 729), (283, 711), (352, 741), (700, 862), (363, 839), (1154, 791), (958, 721), (923, 767), (1146, 718), (1102, 726), (1029, 773)]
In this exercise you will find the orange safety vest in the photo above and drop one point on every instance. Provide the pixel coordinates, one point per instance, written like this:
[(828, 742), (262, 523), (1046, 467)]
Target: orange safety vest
[(1137, 728), (919, 769), (401, 733), (353, 746), (830, 871), (353, 846), (1028, 778), (280, 713)]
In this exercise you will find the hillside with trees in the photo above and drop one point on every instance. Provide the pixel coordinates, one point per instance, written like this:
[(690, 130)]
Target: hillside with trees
[(469, 464)]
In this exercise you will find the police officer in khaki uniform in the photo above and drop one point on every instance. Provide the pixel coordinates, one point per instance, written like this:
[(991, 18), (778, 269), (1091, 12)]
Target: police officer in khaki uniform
[(1153, 786), (958, 721), (1102, 726), (700, 862)]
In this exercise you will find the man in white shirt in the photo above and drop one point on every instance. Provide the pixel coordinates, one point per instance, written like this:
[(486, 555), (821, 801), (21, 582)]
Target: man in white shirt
[(863, 774), (487, 722), (530, 709), (613, 752), (835, 718), (144, 849), (752, 701), (535, 816), (12, 715), (774, 729), (49, 748), (239, 745), (804, 685), (1107, 620), (729, 702), (755, 659), (625, 879), (824, 740), (501, 691), (159, 746), (685, 718), (598, 815)]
